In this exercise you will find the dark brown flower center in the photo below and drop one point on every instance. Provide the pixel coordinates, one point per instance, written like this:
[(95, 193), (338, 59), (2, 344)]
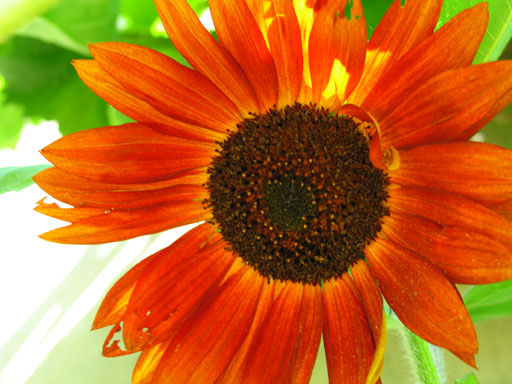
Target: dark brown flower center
[(295, 194)]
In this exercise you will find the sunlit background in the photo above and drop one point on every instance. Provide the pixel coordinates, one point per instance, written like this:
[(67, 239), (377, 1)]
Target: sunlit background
[(49, 293)]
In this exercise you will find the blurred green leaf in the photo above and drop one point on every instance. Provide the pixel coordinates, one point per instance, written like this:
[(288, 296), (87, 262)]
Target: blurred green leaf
[(499, 130), (499, 31), (11, 123), (138, 15), (15, 14), (40, 77), (489, 301), (45, 30), (86, 21), (18, 178), (470, 378)]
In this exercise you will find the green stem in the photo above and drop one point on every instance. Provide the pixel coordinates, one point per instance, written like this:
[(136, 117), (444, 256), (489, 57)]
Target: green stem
[(424, 363)]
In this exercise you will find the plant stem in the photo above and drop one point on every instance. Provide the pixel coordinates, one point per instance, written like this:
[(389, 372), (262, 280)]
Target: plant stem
[(423, 362)]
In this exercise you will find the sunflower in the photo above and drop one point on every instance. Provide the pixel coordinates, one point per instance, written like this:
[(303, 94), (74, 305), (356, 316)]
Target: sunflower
[(325, 171)]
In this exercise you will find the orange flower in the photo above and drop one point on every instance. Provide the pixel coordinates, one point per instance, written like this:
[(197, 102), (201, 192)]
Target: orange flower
[(328, 170)]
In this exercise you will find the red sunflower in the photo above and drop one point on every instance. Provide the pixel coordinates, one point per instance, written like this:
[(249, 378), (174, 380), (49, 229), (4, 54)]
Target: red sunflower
[(327, 171)]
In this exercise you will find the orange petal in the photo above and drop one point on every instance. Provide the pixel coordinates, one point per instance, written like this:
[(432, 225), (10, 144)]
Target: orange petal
[(348, 340), (234, 373), (287, 342), (114, 305), (370, 295), (67, 214), (466, 257), (281, 30), (148, 362), (165, 297), (337, 49), (206, 344), (197, 256), (81, 192), (205, 54), (169, 87), (130, 153), (115, 225), (422, 297), (504, 208), (239, 33), (452, 106), (454, 45), (102, 83), (480, 171), (450, 210), (400, 30)]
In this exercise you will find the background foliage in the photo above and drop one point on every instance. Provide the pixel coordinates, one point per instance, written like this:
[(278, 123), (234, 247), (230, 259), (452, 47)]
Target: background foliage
[(37, 81)]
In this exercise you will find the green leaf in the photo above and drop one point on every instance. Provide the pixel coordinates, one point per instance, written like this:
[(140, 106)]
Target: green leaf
[(489, 301), (86, 21), (15, 14), (498, 131), (18, 178), (11, 123), (373, 12), (499, 31), (470, 378), (45, 30), (40, 77), (138, 15)]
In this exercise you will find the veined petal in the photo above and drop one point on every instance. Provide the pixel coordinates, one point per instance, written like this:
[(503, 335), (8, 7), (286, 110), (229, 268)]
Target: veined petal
[(198, 255), (104, 226), (207, 56), (205, 345), (114, 305), (80, 192), (400, 30), (370, 296), (106, 87), (452, 106), (129, 153), (450, 210), (480, 171), (278, 23), (337, 49), (422, 297), (69, 214), (287, 342), (466, 257), (169, 87), (504, 208), (148, 363), (453, 46), (239, 33), (348, 340)]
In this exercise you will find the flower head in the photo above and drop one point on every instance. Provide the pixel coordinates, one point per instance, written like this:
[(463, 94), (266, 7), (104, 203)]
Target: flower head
[(328, 171)]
